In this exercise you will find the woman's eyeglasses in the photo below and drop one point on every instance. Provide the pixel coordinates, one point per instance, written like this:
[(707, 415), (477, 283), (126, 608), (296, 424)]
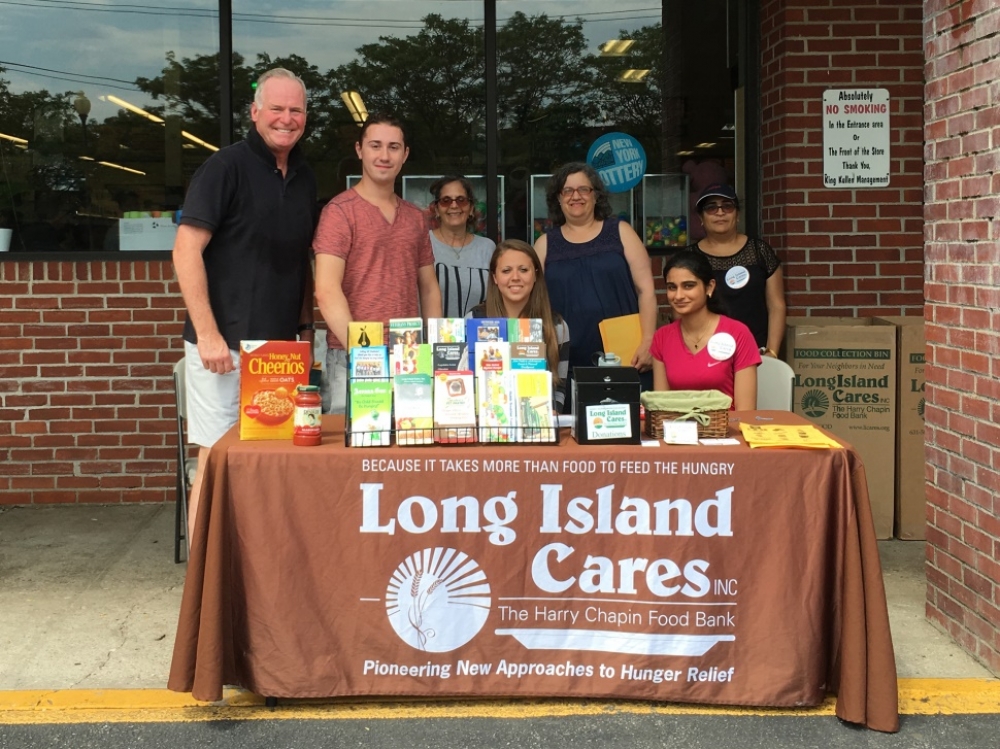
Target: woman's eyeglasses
[(726, 206), (446, 200), (567, 192)]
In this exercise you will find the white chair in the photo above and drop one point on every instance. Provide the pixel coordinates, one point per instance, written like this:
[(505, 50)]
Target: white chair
[(775, 385), (186, 466)]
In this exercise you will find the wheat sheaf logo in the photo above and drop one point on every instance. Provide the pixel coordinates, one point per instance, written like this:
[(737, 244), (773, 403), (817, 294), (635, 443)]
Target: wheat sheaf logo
[(438, 599), (815, 403)]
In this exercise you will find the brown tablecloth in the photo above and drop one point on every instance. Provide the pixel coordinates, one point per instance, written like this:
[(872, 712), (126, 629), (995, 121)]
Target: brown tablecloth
[(717, 574)]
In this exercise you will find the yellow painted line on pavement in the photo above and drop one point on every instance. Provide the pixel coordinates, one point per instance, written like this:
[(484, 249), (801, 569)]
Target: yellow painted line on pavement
[(916, 697), (949, 696)]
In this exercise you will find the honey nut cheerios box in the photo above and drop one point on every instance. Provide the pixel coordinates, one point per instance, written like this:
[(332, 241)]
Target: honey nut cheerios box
[(270, 371)]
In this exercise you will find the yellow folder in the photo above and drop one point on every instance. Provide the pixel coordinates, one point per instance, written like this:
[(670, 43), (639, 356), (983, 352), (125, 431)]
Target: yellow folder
[(622, 336)]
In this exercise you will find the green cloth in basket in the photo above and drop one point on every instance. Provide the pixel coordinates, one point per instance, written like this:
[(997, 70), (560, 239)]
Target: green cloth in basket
[(689, 404)]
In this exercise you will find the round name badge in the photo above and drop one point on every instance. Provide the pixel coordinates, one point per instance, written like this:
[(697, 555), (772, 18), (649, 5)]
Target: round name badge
[(737, 277), (721, 346)]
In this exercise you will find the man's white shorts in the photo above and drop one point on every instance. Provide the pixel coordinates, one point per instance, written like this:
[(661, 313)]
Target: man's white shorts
[(213, 400), (335, 382)]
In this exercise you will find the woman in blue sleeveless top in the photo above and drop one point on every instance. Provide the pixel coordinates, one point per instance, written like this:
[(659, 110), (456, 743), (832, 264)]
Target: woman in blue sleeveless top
[(595, 265)]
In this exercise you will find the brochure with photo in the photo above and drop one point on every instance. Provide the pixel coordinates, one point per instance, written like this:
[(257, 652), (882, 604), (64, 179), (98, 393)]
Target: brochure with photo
[(525, 329), (454, 407), (445, 330), (482, 330), (405, 336), (370, 362)]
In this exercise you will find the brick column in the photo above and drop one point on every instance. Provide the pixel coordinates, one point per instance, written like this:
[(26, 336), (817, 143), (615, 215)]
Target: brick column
[(962, 233), (846, 252)]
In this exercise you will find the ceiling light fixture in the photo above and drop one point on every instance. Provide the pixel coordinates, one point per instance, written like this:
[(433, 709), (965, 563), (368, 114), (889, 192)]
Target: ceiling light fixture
[(119, 166), (13, 138), (616, 47), (199, 141), (633, 76), (132, 108), (356, 106)]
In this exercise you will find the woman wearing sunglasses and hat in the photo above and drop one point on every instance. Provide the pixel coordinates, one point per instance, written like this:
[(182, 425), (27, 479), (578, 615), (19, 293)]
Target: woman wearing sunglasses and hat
[(747, 271), (461, 257)]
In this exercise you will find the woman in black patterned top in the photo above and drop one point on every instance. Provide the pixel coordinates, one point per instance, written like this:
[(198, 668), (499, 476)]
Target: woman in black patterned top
[(747, 271)]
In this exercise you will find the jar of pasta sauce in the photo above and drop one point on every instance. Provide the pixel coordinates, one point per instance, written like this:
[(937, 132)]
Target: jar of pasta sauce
[(308, 416)]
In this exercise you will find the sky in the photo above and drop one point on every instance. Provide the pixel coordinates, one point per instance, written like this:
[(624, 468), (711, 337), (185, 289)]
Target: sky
[(101, 46)]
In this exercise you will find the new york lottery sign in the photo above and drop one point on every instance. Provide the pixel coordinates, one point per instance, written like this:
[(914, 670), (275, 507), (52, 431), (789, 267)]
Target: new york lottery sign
[(620, 160)]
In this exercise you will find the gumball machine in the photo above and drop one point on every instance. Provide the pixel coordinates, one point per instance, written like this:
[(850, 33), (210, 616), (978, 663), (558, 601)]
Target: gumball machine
[(664, 210)]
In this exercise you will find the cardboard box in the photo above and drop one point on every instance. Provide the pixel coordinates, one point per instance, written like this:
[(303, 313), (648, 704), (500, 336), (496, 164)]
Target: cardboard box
[(911, 491), (606, 406), (845, 381), (270, 371), (152, 234)]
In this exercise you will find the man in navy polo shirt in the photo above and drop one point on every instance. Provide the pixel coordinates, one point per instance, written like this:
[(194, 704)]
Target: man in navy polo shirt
[(242, 255)]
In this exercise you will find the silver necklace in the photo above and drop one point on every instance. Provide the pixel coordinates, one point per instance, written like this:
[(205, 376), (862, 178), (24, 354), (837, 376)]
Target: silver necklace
[(456, 249)]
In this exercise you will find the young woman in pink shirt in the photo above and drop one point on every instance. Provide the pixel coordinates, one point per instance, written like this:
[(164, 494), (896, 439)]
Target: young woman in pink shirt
[(702, 349)]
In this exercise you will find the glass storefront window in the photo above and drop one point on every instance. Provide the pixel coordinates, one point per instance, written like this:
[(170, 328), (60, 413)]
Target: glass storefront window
[(105, 116), (103, 120), (571, 71), (421, 61)]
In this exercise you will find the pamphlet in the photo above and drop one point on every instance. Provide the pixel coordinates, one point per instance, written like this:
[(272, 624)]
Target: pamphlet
[(450, 357), (405, 336), (528, 356), (406, 330), (370, 413), (533, 397), (370, 362), (800, 436), (525, 329), (493, 404), (414, 409), (364, 334), (482, 330), (445, 330), (454, 407)]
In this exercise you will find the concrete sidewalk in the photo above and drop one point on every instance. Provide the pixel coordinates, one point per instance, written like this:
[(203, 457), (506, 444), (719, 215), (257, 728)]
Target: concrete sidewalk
[(89, 597)]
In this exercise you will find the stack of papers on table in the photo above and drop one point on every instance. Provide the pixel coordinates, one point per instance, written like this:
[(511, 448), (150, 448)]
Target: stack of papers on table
[(803, 436)]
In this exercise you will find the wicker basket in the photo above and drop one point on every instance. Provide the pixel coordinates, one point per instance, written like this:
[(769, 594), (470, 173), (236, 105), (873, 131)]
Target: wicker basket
[(717, 426)]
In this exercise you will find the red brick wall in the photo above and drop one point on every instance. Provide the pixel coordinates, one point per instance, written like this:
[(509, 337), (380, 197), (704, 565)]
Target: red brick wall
[(846, 252), (962, 231), (86, 393)]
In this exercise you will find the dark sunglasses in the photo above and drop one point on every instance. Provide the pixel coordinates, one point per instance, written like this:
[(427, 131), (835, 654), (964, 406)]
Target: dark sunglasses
[(447, 200), (726, 206)]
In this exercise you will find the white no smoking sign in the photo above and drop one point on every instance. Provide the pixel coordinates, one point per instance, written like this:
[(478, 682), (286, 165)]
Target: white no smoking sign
[(856, 138)]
